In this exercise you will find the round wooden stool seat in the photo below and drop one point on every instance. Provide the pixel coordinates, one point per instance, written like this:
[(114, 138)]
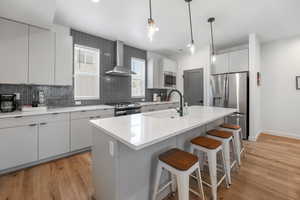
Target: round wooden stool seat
[(220, 133), (178, 159), (206, 142), (231, 126)]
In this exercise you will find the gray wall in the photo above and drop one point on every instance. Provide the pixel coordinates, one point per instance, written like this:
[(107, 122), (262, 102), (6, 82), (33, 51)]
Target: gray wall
[(112, 88)]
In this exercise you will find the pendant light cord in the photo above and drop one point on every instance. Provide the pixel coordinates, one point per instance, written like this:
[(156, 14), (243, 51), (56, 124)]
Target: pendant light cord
[(212, 38), (150, 7), (191, 24)]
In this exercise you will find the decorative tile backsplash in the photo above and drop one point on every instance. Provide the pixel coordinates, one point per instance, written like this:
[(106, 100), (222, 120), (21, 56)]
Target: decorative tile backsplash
[(55, 95), (62, 96)]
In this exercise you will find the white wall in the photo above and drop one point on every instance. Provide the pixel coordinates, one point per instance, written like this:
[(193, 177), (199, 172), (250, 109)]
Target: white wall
[(201, 59), (255, 126), (280, 100)]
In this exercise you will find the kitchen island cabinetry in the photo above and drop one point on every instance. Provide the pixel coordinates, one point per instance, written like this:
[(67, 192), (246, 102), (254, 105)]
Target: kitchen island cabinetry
[(125, 149)]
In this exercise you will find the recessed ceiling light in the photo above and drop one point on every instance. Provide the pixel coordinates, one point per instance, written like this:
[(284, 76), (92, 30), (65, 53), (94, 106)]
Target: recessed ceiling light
[(95, 1)]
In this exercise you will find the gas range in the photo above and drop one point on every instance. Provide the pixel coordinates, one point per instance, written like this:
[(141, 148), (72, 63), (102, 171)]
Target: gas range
[(126, 108)]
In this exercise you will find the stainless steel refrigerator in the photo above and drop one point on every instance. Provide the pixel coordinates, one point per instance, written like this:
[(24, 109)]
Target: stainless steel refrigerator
[(232, 91)]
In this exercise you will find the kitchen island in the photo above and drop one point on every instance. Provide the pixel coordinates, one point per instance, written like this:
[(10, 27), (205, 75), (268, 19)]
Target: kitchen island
[(125, 149)]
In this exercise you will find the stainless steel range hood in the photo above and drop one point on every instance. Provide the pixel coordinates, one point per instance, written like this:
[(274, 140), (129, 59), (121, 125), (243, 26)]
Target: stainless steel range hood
[(120, 69)]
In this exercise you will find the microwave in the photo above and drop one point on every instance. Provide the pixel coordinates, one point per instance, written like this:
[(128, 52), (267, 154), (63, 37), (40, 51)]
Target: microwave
[(169, 79)]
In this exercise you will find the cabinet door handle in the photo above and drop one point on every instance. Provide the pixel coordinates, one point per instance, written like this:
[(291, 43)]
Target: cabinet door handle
[(43, 123), (98, 117), (83, 111), (32, 125), (18, 116), (55, 113), (92, 117)]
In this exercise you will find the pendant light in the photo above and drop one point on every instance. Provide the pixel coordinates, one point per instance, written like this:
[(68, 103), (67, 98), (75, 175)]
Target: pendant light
[(191, 45), (211, 20), (152, 28)]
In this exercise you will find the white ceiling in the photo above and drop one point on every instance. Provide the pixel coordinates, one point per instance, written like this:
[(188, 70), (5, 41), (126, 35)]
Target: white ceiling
[(35, 12), (126, 19)]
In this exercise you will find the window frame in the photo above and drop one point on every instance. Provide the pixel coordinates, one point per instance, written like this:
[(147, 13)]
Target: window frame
[(78, 98), (145, 77)]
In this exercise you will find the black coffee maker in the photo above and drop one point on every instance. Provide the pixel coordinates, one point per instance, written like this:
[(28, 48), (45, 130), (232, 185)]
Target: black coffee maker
[(7, 102)]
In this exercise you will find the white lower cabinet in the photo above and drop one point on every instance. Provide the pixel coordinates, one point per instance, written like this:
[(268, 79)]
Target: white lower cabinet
[(81, 134), (18, 145), (54, 138), (81, 130)]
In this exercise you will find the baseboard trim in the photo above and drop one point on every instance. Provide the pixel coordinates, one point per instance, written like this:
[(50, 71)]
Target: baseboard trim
[(253, 139), (282, 134)]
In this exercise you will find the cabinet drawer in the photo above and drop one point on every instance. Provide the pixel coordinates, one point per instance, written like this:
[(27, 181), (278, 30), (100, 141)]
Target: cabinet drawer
[(93, 113), (18, 121), (54, 117)]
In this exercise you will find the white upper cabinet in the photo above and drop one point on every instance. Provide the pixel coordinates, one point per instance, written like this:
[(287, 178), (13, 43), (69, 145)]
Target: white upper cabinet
[(63, 56), (221, 64), (158, 65), (13, 52), (235, 61), (41, 56), (154, 73), (239, 61), (169, 65)]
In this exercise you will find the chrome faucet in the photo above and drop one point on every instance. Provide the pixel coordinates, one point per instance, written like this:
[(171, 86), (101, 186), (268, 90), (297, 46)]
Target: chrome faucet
[(180, 111)]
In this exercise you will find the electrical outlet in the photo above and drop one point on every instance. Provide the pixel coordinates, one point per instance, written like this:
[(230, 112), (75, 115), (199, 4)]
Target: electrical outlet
[(111, 148)]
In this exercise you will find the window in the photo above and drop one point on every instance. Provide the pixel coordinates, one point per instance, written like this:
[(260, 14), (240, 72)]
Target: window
[(138, 80), (86, 73)]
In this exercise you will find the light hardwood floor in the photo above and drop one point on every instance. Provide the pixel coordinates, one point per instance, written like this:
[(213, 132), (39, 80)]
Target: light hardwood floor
[(270, 171)]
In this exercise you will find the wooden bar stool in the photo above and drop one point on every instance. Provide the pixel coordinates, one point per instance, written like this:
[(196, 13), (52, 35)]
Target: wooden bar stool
[(225, 137), (210, 147), (237, 136), (181, 165)]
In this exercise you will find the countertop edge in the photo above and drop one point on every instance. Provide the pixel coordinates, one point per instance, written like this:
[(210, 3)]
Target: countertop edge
[(55, 110)]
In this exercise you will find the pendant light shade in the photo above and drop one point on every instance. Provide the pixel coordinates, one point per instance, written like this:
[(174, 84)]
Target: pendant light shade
[(152, 28), (211, 20), (191, 45)]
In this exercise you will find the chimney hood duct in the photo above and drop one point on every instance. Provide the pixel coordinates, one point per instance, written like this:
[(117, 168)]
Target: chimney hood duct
[(120, 69)]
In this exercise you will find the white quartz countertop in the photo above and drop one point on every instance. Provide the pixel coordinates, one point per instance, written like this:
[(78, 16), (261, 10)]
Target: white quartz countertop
[(141, 130), (149, 103), (55, 110)]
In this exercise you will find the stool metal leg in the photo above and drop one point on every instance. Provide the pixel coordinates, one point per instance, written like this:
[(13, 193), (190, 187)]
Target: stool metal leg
[(157, 180), (226, 149), (200, 185), (173, 177), (238, 141), (225, 169), (183, 187), (212, 164)]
